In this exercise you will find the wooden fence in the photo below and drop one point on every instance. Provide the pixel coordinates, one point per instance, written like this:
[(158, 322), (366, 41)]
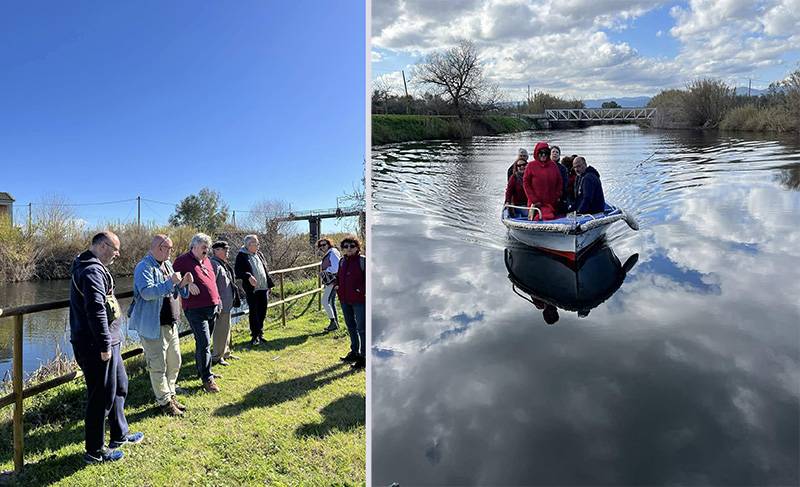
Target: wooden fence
[(19, 312)]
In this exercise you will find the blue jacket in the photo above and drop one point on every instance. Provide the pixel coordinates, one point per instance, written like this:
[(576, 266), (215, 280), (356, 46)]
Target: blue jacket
[(88, 322), (589, 192), (150, 287)]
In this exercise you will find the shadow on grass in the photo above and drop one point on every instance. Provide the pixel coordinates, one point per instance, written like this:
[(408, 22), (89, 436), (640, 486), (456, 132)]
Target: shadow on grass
[(273, 393), (344, 414)]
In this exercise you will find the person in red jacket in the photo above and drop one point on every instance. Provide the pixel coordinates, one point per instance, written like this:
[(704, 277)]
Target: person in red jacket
[(542, 182), (351, 283), (515, 192)]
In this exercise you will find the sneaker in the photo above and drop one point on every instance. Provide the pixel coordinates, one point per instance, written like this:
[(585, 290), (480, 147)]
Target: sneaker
[(132, 438), (104, 455), (255, 342), (180, 390), (215, 375), (221, 362), (350, 357), (233, 357), (174, 400), (359, 363), (333, 326), (170, 409), (211, 386)]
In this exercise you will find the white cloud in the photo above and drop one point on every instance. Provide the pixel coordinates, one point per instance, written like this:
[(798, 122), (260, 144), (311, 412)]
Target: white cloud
[(563, 47)]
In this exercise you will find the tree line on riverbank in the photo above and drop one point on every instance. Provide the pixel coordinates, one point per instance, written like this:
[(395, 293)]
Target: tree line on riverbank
[(457, 100), (711, 104), (46, 247)]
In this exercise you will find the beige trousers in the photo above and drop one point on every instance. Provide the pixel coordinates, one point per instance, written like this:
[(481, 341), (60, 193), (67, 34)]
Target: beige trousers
[(163, 357), (222, 336)]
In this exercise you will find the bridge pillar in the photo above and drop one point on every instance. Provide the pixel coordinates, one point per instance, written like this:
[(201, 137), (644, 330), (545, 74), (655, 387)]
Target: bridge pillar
[(314, 229)]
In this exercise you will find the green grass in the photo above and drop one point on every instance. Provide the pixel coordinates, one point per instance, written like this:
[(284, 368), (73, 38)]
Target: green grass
[(402, 128), (289, 413)]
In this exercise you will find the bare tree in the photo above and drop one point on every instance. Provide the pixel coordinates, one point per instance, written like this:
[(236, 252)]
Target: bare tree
[(457, 75)]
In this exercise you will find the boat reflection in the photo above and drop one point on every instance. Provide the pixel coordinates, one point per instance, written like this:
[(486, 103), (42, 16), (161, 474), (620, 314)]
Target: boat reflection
[(550, 282)]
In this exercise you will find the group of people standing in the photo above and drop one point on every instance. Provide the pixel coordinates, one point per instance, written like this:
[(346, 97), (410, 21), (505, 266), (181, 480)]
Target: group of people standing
[(552, 184), (201, 283)]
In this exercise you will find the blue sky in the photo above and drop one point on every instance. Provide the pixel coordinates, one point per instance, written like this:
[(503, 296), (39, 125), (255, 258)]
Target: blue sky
[(104, 101), (593, 48)]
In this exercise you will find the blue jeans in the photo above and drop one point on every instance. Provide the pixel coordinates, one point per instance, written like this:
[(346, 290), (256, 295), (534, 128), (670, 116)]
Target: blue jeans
[(201, 320), (106, 390), (355, 316)]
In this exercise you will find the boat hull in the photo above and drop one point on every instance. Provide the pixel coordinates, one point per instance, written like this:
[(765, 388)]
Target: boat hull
[(569, 236)]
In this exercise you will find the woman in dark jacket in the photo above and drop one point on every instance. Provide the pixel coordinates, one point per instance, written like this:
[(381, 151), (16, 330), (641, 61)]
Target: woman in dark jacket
[(515, 191), (351, 288), (251, 269)]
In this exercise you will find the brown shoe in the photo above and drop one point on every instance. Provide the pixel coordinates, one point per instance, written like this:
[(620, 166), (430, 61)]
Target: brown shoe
[(171, 410), (211, 386), (178, 405)]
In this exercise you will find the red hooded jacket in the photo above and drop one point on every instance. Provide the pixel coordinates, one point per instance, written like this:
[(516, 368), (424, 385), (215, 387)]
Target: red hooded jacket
[(542, 183)]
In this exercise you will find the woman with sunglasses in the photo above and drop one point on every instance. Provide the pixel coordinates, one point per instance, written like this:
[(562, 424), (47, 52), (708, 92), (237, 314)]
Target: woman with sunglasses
[(330, 266), (515, 191), (351, 286)]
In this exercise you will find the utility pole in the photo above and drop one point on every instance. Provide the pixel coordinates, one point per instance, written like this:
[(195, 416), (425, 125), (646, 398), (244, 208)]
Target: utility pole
[(139, 212), (234, 218), (30, 219), (405, 87), (749, 83)]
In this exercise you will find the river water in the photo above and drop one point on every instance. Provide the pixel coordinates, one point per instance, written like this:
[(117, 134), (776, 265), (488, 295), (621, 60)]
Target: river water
[(675, 358)]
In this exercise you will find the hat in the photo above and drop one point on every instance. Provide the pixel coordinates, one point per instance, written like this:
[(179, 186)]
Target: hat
[(522, 152), (220, 244)]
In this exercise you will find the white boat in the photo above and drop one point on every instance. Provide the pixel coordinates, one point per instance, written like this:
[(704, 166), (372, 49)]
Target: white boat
[(567, 236)]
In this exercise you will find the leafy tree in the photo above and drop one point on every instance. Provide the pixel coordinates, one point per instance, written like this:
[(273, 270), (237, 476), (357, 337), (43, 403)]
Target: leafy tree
[(610, 104), (205, 211)]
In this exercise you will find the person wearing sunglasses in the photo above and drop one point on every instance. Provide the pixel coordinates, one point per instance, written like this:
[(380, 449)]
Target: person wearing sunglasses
[(251, 269), (94, 326), (330, 266), (542, 183), (522, 155), (154, 314), (351, 285), (515, 191), (203, 304)]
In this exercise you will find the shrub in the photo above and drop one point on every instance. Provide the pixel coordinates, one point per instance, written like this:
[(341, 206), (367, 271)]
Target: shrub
[(706, 102)]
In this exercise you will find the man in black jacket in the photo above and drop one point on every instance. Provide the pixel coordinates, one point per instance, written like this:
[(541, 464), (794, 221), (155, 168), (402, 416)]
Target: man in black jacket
[(95, 337), (589, 196), (251, 270)]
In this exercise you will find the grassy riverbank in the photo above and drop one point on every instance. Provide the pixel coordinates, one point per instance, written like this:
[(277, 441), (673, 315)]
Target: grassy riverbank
[(387, 129), (289, 413)]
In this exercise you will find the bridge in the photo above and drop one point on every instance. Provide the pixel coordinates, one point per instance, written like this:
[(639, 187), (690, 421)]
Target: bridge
[(315, 217), (592, 115)]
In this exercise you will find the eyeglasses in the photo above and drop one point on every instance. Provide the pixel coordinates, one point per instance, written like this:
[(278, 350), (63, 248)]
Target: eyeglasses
[(322, 245), (522, 164), (349, 246), (115, 249)]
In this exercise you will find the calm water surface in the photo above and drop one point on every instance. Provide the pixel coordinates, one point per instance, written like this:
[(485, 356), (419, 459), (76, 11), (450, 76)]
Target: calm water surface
[(676, 355)]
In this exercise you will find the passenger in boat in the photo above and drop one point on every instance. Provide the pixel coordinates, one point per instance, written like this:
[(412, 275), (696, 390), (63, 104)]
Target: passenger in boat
[(522, 155), (542, 182), (515, 191), (549, 312), (555, 156), (588, 189), (569, 196)]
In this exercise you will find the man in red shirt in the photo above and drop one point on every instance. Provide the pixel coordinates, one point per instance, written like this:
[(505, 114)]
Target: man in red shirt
[(203, 304), (542, 182)]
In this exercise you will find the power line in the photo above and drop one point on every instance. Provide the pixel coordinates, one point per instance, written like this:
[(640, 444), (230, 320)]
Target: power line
[(84, 204)]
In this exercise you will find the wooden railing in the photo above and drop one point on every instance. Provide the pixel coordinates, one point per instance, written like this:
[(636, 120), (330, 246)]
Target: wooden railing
[(19, 312)]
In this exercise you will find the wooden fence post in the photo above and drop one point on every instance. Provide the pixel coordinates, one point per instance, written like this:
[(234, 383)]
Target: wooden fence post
[(17, 386), (283, 302)]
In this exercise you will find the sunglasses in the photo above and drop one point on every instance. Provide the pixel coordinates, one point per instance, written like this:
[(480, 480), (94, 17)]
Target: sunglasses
[(320, 246), (522, 164), (349, 246)]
